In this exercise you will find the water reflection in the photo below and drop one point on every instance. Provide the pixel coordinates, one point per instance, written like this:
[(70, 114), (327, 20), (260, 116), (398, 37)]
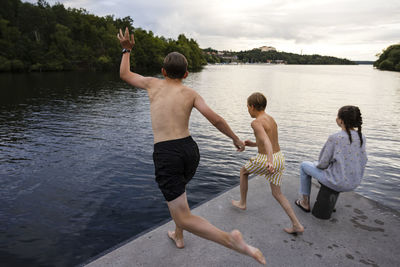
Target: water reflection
[(76, 173), (305, 99)]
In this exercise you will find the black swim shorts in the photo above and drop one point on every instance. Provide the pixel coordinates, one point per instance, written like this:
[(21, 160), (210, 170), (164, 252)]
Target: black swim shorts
[(175, 163)]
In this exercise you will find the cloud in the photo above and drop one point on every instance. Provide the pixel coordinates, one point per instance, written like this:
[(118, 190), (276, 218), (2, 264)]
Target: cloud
[(239, 25)]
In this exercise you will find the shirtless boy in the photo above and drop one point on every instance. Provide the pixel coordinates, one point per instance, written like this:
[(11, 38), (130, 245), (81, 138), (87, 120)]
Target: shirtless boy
[(176, 155), (269, 161)]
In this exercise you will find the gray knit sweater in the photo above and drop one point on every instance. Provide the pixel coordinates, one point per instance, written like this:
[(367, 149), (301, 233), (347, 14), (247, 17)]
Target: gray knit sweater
[(343, 163)]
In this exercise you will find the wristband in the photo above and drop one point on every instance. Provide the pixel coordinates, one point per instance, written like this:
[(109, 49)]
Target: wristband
[(125, 51)]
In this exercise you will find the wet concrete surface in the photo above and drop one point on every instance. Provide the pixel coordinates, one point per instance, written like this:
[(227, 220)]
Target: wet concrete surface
[(360, 233)]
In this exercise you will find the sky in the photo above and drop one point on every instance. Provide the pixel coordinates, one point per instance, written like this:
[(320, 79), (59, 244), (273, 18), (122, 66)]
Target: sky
[(353, 29)]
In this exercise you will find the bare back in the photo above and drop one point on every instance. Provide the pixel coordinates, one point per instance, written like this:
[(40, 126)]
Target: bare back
[(271, 129), (171, 104)]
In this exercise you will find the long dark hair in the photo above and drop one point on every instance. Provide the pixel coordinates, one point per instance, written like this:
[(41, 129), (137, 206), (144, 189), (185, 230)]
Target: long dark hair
[(351, 117)]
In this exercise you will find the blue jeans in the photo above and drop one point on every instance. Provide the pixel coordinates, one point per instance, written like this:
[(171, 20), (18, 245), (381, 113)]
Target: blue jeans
[(308, 170)]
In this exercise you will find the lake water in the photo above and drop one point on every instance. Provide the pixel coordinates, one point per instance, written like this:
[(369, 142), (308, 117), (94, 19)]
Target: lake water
[(76, 170)]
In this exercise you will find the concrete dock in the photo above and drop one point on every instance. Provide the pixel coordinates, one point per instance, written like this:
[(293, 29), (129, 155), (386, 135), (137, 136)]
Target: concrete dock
[(360, 233)]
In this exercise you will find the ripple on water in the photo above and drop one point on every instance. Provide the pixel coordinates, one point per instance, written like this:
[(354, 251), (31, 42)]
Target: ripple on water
[(76, 170)]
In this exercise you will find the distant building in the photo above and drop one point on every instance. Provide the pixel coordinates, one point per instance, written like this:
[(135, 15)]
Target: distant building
[(230, 58), (267, 48)]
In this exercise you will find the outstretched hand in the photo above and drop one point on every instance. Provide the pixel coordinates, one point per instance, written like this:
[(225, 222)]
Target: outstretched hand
[(239, 144), (125, 40), (249, 143)]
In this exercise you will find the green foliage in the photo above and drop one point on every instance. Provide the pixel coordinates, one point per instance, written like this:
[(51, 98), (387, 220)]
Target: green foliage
[(5, 64), (41, 37), (211, 56), (386, 65), (397, 67), (389, 59), (148, 52), (17, 65), (190, 49), (258, 56)]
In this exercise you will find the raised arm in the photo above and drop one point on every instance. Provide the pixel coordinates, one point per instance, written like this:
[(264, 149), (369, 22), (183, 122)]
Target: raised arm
[(134, 79), (217, 121), (263, 140)]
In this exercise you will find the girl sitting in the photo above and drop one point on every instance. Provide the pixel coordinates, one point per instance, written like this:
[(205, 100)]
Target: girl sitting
[(342, 160)]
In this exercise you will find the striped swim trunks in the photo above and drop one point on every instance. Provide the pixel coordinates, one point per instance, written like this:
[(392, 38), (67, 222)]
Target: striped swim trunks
[(257, 166)]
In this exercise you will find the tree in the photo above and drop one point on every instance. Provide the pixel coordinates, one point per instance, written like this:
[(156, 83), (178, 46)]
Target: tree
[(389, 59), (258, 56), (40, 37)]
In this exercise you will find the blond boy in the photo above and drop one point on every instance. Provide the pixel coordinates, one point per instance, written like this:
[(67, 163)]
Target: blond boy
[(176, 155), (269, 161)]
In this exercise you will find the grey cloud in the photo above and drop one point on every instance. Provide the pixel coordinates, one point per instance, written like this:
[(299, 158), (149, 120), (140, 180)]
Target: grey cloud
[(300, 22)]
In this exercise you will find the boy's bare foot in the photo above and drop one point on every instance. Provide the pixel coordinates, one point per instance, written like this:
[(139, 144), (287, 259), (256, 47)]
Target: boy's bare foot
[(239, 245), (237, 204), (298, 229), (178, 241)]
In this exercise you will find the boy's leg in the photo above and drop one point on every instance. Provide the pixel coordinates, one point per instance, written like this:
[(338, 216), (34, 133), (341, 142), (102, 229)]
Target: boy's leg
[(296, 225), (244, 184), (184, 219)]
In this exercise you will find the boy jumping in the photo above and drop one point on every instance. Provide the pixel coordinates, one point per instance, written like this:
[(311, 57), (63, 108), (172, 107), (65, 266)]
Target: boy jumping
[(269, 161), (176, 155)]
